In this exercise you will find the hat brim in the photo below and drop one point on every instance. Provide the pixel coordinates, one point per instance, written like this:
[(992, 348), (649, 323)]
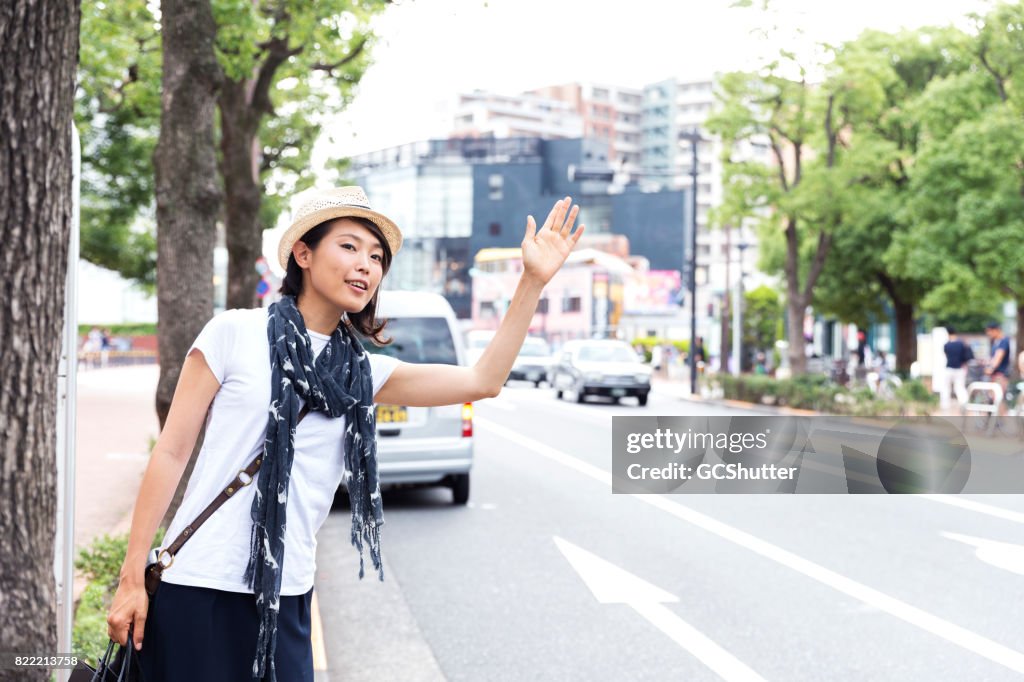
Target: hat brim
[(306, 223)]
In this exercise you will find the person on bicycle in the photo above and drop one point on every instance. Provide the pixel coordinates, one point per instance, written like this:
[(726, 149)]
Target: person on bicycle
[(998, 368)]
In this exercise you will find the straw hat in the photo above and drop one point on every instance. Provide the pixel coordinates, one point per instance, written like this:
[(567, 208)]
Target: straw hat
[(339, 202)]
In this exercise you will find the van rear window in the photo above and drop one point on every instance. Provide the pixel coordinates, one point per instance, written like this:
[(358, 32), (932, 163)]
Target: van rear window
[(418, 339)]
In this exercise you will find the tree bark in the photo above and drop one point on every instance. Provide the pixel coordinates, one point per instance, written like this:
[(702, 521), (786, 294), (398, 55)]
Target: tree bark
[(906, 335), (187, 194), (37, 84), (796, 301), (796, 308), (242, 188)]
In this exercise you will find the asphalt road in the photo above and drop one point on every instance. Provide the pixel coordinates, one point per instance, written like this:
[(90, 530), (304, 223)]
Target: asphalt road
[(546, 575)]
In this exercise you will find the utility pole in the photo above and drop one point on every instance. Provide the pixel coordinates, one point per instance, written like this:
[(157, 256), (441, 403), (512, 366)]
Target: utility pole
[(694, 138)]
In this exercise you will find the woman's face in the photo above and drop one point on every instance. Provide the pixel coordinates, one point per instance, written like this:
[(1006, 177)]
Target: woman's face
[(347, 265)]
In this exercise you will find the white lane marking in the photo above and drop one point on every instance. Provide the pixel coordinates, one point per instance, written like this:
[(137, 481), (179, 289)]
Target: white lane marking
[(962, 637), (1003, 555), (500, 403), (980, 507), (614, 585)]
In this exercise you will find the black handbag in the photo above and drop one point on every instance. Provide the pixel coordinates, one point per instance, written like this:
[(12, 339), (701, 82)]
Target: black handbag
[(123, 666)]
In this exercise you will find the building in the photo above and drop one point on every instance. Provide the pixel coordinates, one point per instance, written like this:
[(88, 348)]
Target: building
[(455, 197), (487, 114), (611, 113)]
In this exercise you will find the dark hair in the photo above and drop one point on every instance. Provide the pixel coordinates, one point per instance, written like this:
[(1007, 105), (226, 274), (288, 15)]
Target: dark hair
[(365, 321), (993, 325), (950, 329)]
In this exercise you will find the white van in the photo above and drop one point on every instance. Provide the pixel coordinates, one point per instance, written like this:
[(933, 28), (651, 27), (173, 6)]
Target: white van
[(423, 445)]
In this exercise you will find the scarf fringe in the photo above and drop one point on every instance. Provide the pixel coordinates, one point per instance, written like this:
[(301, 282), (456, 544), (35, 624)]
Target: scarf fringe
[(369, 533)]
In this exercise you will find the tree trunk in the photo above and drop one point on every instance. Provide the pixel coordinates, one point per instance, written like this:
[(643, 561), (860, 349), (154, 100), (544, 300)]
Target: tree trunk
[(906, 336), (37, 85), (242, 187), (796, 308), (187, 194)]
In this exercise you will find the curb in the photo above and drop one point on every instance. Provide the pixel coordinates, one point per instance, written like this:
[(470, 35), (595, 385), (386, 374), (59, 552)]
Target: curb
[(737, 404)]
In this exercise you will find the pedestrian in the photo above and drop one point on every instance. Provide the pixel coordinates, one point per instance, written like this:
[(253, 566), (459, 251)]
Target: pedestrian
[(235, 602), (958, 354), (657, 357), (700, 356), (998, 367)]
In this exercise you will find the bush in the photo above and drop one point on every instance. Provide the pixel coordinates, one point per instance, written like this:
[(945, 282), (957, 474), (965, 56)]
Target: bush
[(649, 342), (914, 391), (816, 392), (101, 564), (89, 634), (129, 329)]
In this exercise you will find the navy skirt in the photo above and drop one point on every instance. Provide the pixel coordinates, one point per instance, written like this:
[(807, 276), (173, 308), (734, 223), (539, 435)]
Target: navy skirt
[(197, 634)]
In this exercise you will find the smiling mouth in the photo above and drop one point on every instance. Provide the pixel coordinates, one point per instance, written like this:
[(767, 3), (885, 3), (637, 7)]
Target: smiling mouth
[(361, 286)]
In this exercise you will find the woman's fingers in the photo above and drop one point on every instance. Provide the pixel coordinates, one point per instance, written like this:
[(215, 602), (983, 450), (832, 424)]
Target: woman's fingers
[(550, 221), (139, 630), (117, 629), (531, 227), (562, 207), (567, 227)]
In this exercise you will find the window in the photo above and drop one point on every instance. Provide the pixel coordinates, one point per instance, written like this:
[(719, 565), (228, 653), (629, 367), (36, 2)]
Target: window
[(542, 306), (571, 304), (419, 339), (487, 309), (495, 229), (496, 186)]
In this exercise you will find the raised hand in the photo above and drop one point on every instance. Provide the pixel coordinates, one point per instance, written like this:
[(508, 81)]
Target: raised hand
[(545, 250)]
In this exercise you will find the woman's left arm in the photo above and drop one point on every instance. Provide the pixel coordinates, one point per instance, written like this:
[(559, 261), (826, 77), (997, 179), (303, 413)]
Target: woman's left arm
[(544, 252)]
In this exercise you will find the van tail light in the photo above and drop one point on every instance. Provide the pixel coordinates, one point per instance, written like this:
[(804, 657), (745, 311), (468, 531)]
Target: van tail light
[(467, 420)]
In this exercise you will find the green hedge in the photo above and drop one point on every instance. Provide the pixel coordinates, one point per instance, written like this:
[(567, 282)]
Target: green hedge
[(100, 563), (649, 342), (816, 392), (134, 329)]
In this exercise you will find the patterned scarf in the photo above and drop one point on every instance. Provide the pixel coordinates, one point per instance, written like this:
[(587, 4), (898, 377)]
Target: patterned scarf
[(337, 383)]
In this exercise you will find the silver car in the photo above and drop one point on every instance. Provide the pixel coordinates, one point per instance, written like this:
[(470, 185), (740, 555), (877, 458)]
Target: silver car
[(533, 361), (600, 367), (423, 445)]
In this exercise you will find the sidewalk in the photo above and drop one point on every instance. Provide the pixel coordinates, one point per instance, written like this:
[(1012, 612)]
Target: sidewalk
[(116, 419), (681, 391)]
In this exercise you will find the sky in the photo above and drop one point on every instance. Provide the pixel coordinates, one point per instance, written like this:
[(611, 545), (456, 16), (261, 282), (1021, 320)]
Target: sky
[(431, 50)]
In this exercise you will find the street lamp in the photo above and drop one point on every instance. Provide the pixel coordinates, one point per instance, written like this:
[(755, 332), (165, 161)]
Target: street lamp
[(693, 137), (737, 315)]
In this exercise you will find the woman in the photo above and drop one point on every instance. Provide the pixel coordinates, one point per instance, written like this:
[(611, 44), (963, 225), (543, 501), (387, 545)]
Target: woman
[(233, 604)]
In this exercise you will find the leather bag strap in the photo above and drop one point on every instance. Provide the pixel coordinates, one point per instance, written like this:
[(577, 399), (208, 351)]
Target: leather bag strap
[(244, 478)]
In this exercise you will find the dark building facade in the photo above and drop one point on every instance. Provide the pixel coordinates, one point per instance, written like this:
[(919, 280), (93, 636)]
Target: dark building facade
[(515, 177)]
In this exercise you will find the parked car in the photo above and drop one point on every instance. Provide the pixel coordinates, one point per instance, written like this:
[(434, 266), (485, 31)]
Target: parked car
[(476, 341), (533, 361), (423, 445), (600, 367)]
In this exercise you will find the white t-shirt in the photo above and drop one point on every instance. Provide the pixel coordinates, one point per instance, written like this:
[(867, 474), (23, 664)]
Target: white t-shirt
[(235, 346)]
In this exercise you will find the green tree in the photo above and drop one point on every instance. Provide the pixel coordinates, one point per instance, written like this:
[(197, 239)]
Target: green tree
[(968, 184), (289, 65), (796, 201), (762, 308), (117, 111), (883, 140)]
